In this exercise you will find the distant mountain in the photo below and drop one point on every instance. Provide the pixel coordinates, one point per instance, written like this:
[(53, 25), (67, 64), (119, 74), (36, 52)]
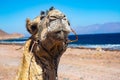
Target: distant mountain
[(4, 35), (112, 27)]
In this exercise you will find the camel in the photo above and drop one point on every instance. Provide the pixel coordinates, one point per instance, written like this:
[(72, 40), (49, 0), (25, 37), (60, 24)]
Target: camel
[(42, 51)]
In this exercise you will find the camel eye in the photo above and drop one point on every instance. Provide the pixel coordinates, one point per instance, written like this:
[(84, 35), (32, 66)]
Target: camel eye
[(52, 18), (64, 18), (68, 23)]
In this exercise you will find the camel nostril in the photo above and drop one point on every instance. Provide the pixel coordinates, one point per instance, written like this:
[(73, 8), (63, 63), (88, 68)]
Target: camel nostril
[(57, 32)]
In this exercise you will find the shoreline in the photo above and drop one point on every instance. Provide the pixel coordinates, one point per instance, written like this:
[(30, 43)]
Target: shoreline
[(98, 48), (75, 63), (81, 47), (12, 44)]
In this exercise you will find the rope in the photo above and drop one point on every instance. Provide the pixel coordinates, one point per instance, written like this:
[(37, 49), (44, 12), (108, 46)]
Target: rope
[(69, 41), (31, 58), (19, 48)]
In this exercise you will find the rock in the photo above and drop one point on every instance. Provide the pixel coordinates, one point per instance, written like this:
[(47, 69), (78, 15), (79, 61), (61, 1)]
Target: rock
[(4, 35)]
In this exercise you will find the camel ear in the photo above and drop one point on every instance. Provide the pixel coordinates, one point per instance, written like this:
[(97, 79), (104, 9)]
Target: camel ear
[(42, 15), (31, 26), (51, 8)]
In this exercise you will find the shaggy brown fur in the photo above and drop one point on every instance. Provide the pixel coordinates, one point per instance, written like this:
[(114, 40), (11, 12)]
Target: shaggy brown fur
[(46, 45)]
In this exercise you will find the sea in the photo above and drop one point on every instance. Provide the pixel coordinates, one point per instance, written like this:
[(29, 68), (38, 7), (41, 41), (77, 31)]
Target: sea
[(105, 41)]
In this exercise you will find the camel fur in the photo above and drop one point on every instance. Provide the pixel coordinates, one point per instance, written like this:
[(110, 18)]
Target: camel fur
[(42, 51)]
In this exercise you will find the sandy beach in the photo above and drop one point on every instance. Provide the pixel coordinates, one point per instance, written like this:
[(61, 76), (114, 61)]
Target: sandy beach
[(75, 64)]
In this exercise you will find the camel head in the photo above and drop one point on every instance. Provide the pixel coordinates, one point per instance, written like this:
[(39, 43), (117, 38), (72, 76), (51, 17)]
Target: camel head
[(52, 24), (58, 25)]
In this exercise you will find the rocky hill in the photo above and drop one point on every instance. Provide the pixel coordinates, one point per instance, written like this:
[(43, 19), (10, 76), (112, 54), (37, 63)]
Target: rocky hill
[(4, 35), (111, 27)]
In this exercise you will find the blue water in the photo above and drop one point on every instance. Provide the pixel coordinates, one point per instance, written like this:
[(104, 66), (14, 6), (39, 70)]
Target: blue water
[(109, 41), (17, 40)]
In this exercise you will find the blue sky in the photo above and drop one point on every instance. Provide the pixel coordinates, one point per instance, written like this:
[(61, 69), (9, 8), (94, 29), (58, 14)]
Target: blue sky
[(13, 13)]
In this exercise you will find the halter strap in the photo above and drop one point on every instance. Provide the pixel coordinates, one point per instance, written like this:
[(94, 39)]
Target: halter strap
[(76, 36)]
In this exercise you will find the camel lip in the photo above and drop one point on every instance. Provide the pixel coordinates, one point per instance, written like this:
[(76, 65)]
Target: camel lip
[(60, 39)]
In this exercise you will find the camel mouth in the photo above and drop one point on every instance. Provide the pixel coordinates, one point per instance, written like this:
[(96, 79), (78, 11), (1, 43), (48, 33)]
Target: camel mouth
[(59, 29), (58, 35)]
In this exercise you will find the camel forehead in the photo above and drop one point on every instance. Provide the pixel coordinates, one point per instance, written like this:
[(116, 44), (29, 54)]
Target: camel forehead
[(55, 13)]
